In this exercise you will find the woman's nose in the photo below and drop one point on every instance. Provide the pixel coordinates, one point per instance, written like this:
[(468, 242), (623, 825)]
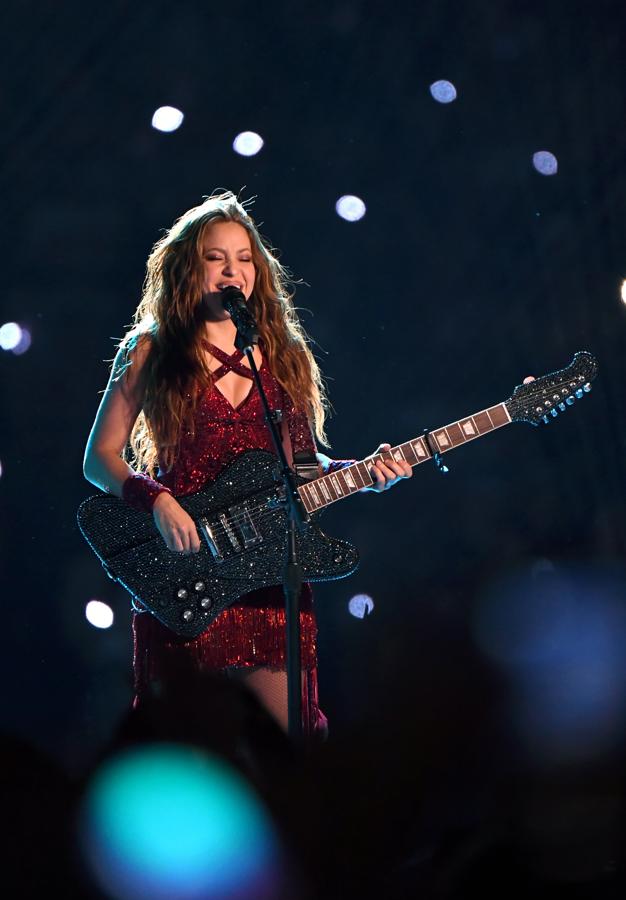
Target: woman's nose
[(230, 267)]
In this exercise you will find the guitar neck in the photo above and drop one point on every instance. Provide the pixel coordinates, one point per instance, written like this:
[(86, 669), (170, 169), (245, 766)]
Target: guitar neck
[(335, 486)]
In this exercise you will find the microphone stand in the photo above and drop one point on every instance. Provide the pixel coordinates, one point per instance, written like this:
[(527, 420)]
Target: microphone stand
[(297, 516)]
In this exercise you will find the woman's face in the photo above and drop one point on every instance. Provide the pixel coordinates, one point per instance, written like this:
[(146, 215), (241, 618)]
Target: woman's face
[(227, 259)]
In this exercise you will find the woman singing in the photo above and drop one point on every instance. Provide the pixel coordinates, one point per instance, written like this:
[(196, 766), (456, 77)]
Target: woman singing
[(182, 399)]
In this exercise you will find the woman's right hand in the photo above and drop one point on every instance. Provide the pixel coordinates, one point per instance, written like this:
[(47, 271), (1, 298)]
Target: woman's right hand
[(175, 526)]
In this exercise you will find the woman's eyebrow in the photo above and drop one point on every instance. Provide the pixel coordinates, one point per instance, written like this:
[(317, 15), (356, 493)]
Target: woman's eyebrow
[(221, 249)]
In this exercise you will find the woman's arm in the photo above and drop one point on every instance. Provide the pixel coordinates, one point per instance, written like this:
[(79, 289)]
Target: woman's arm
[(120, 405), (103, 464)]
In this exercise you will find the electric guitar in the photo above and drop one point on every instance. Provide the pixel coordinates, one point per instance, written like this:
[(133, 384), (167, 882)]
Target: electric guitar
[(241, 519)]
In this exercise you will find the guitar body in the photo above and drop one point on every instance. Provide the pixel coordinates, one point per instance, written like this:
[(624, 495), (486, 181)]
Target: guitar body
[(242, 530)]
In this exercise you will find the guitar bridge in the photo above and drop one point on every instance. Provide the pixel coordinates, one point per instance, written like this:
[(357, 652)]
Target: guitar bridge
[(208, 534)]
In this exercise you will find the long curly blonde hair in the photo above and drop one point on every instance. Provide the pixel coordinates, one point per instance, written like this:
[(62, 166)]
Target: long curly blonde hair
[(167, 318)]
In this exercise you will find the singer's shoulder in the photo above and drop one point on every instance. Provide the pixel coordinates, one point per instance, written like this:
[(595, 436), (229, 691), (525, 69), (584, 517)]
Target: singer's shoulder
[(137, 343)]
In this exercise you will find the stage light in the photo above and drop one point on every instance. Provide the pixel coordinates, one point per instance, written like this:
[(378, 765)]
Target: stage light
[(99, 614), (10, 335), (360, 605), (168, 821), (0, 468), (545, 162), (624, 291), (167, 118), (443, 91), (248, 143), (24, 342), (350, 208)]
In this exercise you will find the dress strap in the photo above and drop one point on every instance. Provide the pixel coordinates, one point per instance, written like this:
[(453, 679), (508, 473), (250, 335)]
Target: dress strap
[(231, 362)]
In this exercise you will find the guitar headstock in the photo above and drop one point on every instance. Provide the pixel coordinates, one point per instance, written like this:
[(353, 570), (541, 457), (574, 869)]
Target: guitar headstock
[(542, 399)]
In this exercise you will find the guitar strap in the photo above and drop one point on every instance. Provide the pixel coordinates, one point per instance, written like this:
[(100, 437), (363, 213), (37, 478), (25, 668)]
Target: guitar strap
[(304, 462)]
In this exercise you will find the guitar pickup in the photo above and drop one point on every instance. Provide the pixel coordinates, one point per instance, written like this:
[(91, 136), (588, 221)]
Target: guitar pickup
[(246, 526), (208, 534)]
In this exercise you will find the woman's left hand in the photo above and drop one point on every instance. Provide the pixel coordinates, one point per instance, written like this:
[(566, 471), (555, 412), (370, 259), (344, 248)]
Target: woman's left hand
[(387, 472)]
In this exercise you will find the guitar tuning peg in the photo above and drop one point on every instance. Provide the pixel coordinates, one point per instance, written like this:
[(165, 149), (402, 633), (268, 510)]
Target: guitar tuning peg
[(586, 388), (562, 407), (545, 420), (579, 393), (570, 400), (554, 413)]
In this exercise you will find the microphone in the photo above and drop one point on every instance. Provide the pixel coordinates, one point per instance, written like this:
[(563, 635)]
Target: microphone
[(234, 302)]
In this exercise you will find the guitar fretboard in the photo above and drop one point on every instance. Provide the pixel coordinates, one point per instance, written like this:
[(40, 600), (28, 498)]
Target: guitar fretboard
[(328, 488)]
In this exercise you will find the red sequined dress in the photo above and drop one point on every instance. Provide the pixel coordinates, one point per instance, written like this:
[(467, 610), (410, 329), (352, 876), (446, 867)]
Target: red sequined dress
[(251, 632)]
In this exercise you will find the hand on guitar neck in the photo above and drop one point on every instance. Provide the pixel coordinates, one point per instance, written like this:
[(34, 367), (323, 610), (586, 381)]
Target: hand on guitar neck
[(387, 471)]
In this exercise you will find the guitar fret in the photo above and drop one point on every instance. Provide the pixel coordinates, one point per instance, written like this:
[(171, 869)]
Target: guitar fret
[(321, 482), (469, 428), (314, 495), (305, 494), (364, 473), (441, 439), (335, 483), (499, 415), (419, 449), (483, 422)]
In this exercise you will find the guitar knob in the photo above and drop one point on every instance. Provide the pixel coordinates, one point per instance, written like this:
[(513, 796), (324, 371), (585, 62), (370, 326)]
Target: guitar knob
[(188, 615), (205, 603), (579, 393), (586, 388), (182, 593), (562, 407), (554, 413), (199, 586), (570, 400)]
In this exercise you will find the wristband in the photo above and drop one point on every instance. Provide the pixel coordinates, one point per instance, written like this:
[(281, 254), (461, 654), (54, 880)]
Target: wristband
[(140, 491)]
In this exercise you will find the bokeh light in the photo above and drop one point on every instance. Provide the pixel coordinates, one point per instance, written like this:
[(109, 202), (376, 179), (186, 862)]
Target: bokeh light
[(350, 208), (360, 605), (560, 635), (624, 291), (545, 162), (10, 335), (168, 821), (99, 614), (167, 118), (24, 342), (248, 143), (443, 91)]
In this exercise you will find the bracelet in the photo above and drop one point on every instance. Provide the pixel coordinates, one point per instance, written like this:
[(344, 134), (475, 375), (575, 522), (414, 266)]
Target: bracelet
[(140, 491)]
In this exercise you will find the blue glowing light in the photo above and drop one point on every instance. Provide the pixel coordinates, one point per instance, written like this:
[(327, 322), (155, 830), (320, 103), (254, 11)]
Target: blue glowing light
[(545, 162), (350, 208), (167, 821), (360, 605), (10, 335), (167, 118), (443, 91), (248, 143)]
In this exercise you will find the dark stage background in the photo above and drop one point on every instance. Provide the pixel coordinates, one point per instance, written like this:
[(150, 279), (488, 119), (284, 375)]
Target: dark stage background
[(495, 651)]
